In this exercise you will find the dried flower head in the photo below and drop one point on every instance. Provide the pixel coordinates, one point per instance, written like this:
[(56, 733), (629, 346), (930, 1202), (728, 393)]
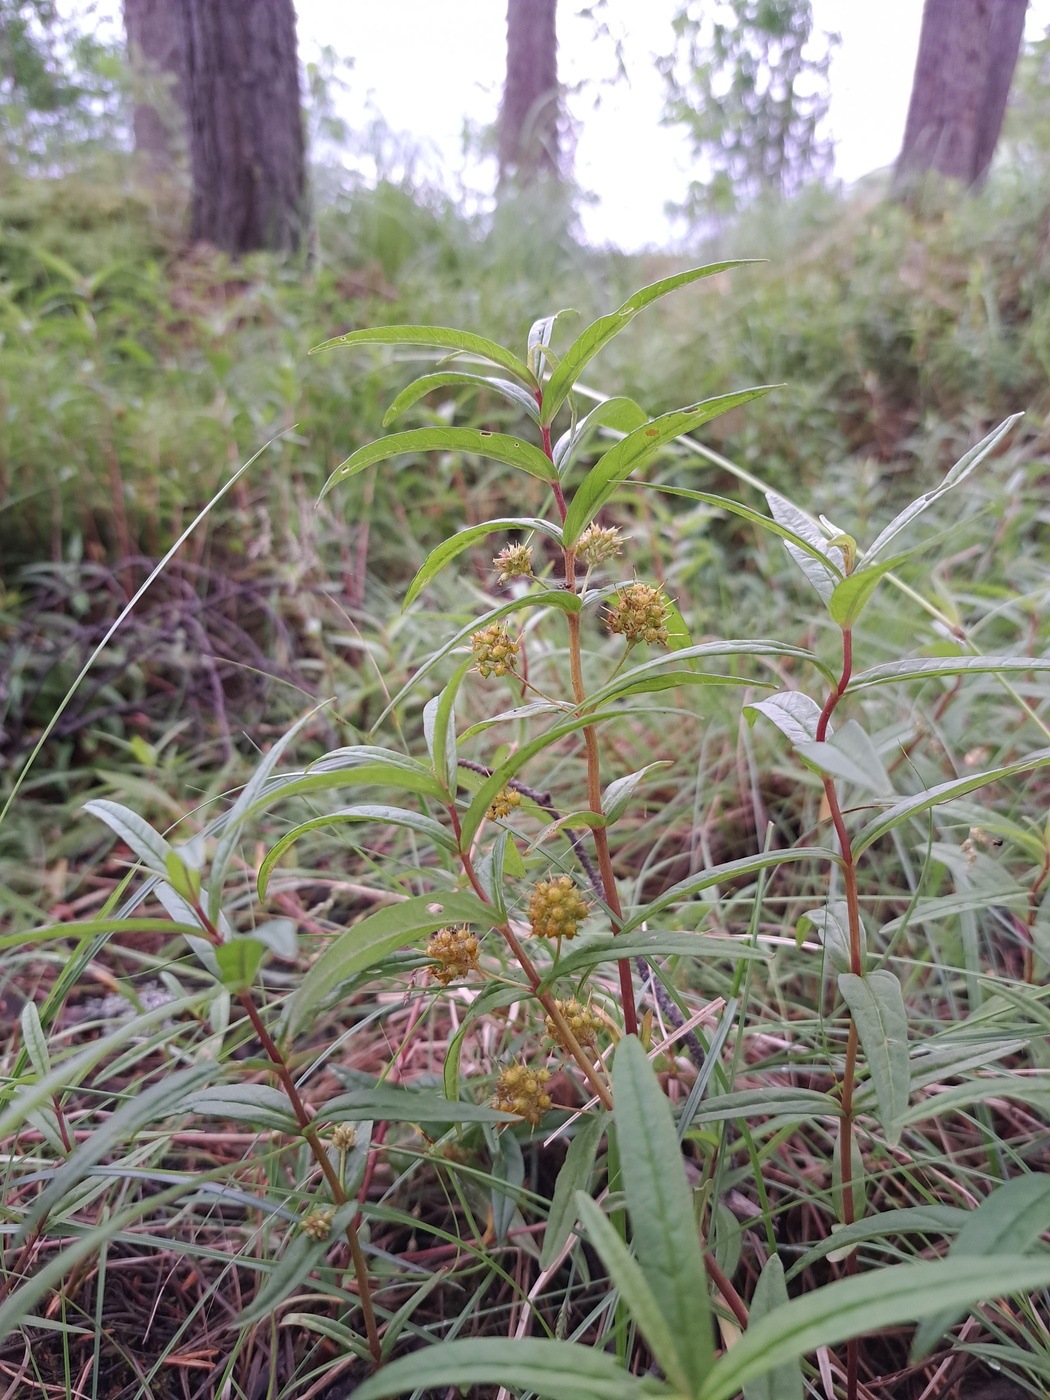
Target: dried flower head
[(639, 615), (504, 803), (556, 908), (513, 562), (597, 544), (317, 1223), (495, 650), (522, 1091), (344, 1136), (583, 1021), (455, 953)]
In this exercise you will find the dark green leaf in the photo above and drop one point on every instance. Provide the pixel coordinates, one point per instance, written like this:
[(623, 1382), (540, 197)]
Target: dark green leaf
[(876, 1003), (498, 447), (575, 1175), (449, 549), (619, 414), (437, 338), (239, 960), (389, 1103), (427, 383), (784, 1382)]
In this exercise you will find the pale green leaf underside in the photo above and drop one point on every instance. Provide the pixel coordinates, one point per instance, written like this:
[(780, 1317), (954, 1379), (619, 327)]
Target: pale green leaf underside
[(449, 378), (876, 1003)]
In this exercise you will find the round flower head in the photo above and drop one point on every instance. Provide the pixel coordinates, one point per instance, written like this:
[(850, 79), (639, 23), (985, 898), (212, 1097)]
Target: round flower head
[(455, 954), (583, 1021), (556, 908), (513, 562), (503, 803), (344, 1136), (495, 650), (317, 1223), (639, 615), (522, 1091), (596, 544)]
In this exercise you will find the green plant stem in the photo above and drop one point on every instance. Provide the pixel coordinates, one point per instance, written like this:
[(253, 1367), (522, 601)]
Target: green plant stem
[(317, 1147)]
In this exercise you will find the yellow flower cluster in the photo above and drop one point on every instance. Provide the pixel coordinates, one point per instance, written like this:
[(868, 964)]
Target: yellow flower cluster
[(513, 562), (583, 1021), (455, 953), (522, 1091), (344, 1136), (495, 650), (556, 908), (317, 1223), (597, 544), (504, 803), (639, 615)]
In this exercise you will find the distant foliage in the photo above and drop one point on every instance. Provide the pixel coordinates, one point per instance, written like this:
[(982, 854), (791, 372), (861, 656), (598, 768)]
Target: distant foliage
[(748, 81)]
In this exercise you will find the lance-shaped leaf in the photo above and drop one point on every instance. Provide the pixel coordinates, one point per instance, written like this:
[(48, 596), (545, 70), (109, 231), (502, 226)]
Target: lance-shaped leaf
[(539, 338), (363, 945), (817, 562), (660, 1204), (575, 1175), (443, 555), (924, 668), (639, 447), (650, 943), (392, 1103), (600, 332), (793, 712), (302, 1254), (849, 754), (435, 338), (943, 792), (427, 383), (617, 796), (620, 414), (782, 1382), (364, 812), (876, 1004), (637, 678), (498, 447)]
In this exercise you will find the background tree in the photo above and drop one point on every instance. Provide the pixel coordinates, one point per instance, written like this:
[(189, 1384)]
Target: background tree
[(967, 55), (749, 84), (156, 36), (529, 142), (246, 130)]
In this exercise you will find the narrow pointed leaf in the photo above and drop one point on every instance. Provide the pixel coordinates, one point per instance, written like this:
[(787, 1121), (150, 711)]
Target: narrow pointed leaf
[(575, 1175), (816, 563), (617, 796), (497, 447), (390, 1103), (930, 667), (637, 675), (301, 1255), (660, 1205), (851, 755), (599, 333), (450, 549), (427, 383), (639, 447), (783, 1382), (876, 1004), (152, 850), (793, 712), (239, 960), (620, 414), (435, 338)]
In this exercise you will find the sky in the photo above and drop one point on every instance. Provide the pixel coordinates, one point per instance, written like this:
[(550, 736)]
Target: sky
[(430, 66)]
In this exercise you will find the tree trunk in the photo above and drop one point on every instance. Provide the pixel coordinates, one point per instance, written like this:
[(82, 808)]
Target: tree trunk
[(967, 54), (528, 123), (157, 56), (246, 130)]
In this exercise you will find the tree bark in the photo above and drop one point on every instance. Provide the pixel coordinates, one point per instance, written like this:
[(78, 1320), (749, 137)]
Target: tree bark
[(967, 55), (246, 130), (528, 124), (157, 56)]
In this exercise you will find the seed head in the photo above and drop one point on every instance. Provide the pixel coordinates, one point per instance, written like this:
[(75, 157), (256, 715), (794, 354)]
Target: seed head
[(317, 1223), (344, 1135), (455, 953), (597, 544), (556, 908), (583, 1021), (504, 803), (521, 1090), (495, 650), (513, 562), (639, 615)]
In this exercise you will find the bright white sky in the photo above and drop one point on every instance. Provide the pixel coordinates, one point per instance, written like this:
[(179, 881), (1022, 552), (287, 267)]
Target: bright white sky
[(428, 66)]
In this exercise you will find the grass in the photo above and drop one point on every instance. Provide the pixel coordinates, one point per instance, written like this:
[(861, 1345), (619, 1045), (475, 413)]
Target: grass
[(135, 381)]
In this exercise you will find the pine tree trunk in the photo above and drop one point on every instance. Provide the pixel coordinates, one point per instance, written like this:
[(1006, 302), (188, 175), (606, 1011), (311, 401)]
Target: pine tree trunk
[(967, 54), (528, 124), (157, 57), (246, 131)]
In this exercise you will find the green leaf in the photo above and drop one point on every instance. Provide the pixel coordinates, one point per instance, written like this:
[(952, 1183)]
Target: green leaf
[(650, 943), (427, 383), (1008, 1221), (239, 960), (261, 1105), (362, 765), (626, 1275), (876, 1004), (636, 449), (34, 1040), (575, 1175), (660, 1204), (600, 332), (855, 1306), (934, 1221), (958, 1097), (793, 712), (925, 668), (816, 562), (539, 337), (635, 679), (799, 1104), (832, 928), (449, 549), (556, 1370), (375, 938), (849, 754), (498, 447), (943, 792), (301, 1256), (152, 850), (439, 729), (437, 338), (784, 1382), (364, 812), (617, 796), (850, 596), (620, 414), (958, 473), (389, 1103)]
